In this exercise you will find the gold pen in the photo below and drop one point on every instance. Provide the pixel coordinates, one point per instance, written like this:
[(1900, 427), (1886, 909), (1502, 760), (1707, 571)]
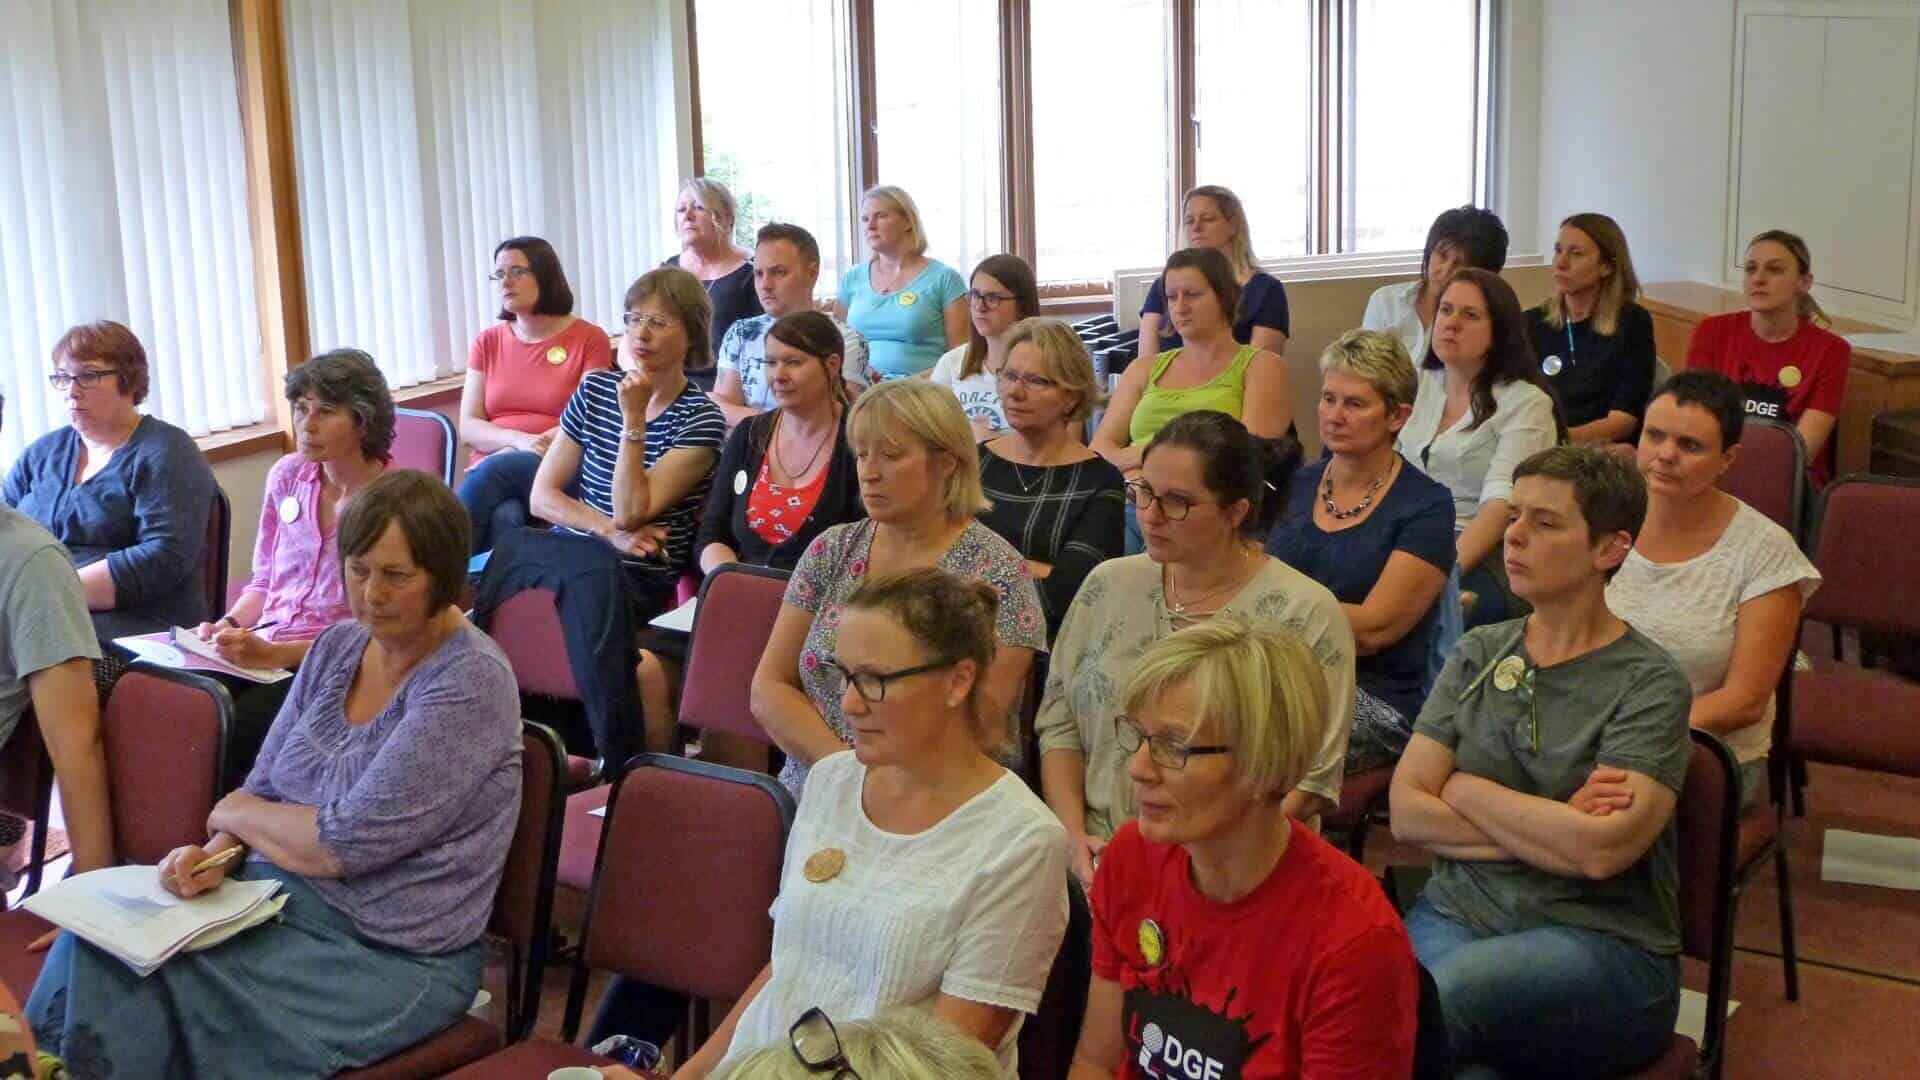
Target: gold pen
[(217, 860)]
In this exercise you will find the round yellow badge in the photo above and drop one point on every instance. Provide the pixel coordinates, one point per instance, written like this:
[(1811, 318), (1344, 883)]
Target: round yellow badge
[(1789, 376), (1153, 944), (824, 865), (908, 299), (556, 356)]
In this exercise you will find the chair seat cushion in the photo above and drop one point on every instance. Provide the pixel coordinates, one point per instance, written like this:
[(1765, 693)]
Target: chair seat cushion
[(531, 1059), (1358, 794), (18, 967), (580, 837), (467, 1041), (1844, 715), (1678, 1060), (1759, 826)]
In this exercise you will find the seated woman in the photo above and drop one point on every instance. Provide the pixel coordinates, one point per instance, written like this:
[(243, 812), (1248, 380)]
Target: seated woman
[(638, 444), (1210, 370), (1213, 217), (1481, 409), (919, 478), (902, 1045), (1791, 367), (1462, 237), (1202, 498), (520, 373), (1539, 908), (920, 872), (1710, 579), (1002, 293), (1058, 503), (1376, 532), (1594, 340), (343, 420), (1220, 922), (128, 495), (910, 308), (383, 803), (703, 217)]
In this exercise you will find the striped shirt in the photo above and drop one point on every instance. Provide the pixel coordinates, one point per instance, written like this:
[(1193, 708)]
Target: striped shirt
[(693, 421)]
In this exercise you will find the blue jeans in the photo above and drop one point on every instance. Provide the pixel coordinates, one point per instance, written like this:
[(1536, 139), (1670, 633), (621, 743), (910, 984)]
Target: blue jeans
[(495, 494), (1555, 1001)]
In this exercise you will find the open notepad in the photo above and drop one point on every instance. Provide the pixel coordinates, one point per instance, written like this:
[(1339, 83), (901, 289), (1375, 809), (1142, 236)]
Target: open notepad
[(124, 911), (182, 648)]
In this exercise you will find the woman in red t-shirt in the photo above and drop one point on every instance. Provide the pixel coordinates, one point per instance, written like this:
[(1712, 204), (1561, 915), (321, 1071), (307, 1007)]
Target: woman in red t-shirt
[(1228, 939), (1788, 364), (521, 372)]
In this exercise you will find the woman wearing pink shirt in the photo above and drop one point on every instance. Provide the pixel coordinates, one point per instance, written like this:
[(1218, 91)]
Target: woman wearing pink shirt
[(343, 424)]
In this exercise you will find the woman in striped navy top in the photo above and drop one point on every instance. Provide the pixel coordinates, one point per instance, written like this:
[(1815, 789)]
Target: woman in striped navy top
[(636, 446)]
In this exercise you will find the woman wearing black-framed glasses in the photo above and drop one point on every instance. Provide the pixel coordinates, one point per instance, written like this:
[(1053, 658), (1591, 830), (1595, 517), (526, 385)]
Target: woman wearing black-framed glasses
[(1002, 292), (920, 873)]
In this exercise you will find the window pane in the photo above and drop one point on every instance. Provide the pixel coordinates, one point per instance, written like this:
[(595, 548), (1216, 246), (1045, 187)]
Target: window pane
[(937, 84), (773, 117), (1415, 96), (1253, 76), (1100, 154)]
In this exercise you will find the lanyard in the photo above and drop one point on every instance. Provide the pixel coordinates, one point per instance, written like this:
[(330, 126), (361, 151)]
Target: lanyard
[(1571, 351)]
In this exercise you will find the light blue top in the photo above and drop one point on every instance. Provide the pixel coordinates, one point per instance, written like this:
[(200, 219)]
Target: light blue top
[(905, 330)]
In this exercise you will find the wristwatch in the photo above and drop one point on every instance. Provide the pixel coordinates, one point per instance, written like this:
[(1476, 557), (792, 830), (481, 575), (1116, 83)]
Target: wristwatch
[(635, 435)]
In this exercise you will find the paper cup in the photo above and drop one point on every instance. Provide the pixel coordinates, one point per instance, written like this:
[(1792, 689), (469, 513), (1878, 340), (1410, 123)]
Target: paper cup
[(574, 1072)]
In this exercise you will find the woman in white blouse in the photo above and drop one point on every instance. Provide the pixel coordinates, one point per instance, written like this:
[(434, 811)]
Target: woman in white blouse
[(1710, 579), (919, 872), (1481, 410), (1460, 237)]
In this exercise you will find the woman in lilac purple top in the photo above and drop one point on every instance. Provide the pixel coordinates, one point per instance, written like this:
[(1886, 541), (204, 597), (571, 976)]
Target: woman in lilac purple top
[(383, 801)]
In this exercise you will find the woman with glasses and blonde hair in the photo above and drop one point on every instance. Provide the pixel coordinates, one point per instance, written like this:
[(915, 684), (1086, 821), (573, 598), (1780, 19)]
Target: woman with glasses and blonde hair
[(1212, 217), (1203, 501), (1057, 502), (901, 1045), (909, 307), (920, 872), (1781, 351), (1003, 292), (919, 475), (704, 217), (1593, 339), (1222, 925)]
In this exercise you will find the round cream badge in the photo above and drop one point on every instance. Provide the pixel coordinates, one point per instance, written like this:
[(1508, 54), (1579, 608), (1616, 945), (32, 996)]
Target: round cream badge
[(1789, 376), (740, 482), (824, 865), (1551, 365), (556, 356), (289, 509), (1153, 943), (908, 299), (1507, 673)]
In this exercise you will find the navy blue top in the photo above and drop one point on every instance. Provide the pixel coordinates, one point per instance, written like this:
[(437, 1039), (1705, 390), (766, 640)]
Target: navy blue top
[(1593, 373), (145, 513), (1414, 515), (1263, 302)]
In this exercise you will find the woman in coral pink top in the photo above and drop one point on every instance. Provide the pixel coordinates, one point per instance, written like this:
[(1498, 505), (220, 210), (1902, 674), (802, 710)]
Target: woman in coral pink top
[(520, 374)]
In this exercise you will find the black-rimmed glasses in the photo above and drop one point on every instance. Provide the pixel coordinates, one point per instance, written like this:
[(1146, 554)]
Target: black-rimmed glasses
[(514, 272), (872, 685), (816, 1043), (987, 301), (1174, 505), (1165, 750), (90, 378)]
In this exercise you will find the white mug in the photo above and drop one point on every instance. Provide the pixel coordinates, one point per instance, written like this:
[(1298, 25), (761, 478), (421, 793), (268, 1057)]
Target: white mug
[(574, 1072)]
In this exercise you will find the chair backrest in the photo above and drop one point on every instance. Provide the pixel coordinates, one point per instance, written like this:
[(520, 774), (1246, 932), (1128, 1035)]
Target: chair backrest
[(1770, 473), (523, 904), (527, 628), (689, 864), (219, 538), (1707, 827), (424, 439), (164, 737), (731, 625), (26, 772), (1049, 1036), (1866, 569)]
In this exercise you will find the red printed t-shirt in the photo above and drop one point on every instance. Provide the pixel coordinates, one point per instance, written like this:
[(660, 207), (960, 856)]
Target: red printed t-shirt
[(526, 389), (1820, 360), (1309, 975)]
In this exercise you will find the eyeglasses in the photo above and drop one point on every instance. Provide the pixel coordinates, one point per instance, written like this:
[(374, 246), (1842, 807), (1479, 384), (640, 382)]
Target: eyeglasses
[(1011, 379), (1175, 506), (656, 323), (872, 685), (514, 272), (817, 1044), (987, 300), (89, 378), (1165, 750)]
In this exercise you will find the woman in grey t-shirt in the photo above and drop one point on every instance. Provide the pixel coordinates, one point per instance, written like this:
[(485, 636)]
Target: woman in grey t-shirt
[(1543, 774)]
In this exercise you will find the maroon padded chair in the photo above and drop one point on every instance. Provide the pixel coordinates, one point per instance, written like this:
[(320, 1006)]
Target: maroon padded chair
[(1361, 794), (164, 738), (1770, 474), (522, 914), (527, 628), (425, 440), (219, 539), (689, 865)]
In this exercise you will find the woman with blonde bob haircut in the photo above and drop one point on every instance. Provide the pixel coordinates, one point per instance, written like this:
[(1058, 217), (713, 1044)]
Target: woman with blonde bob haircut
[(919, 477), (909, 308), (1215, 895), (902, 1045), (1593, 339)]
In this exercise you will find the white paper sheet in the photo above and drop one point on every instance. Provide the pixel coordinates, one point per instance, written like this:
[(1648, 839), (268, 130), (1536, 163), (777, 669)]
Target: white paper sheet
[(680, 618), (1692, 1021), (124, 911), (1855, 858)]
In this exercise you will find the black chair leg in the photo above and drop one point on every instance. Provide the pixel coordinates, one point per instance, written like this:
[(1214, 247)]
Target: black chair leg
[(1797, 765), (1783, 884)]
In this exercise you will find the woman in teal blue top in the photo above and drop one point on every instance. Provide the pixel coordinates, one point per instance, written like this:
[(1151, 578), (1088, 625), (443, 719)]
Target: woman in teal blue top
[(909, 307)]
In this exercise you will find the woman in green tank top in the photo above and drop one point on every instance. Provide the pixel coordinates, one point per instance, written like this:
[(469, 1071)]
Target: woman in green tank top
[(1211, 371)]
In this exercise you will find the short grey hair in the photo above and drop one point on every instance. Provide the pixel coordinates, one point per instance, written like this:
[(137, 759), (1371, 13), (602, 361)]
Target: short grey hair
[(1377, 359), (717, 199), (349, 378)]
